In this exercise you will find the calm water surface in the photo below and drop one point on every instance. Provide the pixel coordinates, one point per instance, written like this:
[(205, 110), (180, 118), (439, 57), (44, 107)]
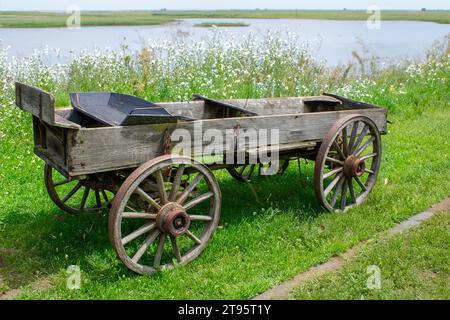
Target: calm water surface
[(328, 40)]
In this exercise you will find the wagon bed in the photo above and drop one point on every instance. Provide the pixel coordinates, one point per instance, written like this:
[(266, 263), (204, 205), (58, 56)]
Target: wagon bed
[(137, 161), (77, 145)]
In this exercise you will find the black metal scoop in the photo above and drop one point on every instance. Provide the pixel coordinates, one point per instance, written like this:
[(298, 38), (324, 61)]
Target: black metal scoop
[(115, 109)]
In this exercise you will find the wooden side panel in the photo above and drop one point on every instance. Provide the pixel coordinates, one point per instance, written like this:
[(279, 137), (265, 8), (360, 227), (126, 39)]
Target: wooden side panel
[(36, 101), (271, 106), (192, 109), (112, 148), (268, 106), (50, 144)]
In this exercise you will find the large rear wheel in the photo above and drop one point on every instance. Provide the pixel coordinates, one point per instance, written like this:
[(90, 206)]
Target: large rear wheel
[(180, 206), (347, 163)]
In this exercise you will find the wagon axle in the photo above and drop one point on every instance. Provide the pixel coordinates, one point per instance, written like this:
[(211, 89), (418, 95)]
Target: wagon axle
[(354, 167), (173, 219)]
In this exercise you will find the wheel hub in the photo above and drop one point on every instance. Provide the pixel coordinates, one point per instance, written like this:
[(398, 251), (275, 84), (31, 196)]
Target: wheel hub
[(172, 218), (354, 167)]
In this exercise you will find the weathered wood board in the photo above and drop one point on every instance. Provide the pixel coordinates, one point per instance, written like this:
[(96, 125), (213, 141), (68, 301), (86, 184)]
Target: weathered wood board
[(112, 148)]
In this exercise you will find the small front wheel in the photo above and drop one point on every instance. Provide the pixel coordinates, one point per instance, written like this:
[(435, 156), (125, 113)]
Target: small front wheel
[(182, 203)]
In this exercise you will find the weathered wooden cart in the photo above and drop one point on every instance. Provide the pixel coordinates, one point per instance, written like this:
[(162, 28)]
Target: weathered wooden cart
[(154, 194)]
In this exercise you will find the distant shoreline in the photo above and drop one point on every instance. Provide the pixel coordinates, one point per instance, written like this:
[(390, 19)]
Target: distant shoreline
[(39, 19), (221, 24)]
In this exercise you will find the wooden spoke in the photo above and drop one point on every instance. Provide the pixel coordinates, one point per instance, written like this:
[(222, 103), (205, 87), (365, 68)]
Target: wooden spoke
[(344, 141), (336, 191), (97, 199), (175, 248), (332, 184), (195, 217), (139, 215), (250, 171), (130, 208), (72, 192), (161, 187), (368, 156), (360, 183), (332, 172), (344, 195), (353, 134), (139, 232), (148, 241), (360, 138), (338, 149), (147, 198), (159, 251), (176, 182), (61, 182), (189, 188), (339, 162), (198, 200), (364, 146), (105, 196), (84, 198), (244, 173), (352, 191), (193, 237)]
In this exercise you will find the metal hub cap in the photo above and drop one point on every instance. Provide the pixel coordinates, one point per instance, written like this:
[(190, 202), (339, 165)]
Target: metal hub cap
[(354, 167), (172, 218)]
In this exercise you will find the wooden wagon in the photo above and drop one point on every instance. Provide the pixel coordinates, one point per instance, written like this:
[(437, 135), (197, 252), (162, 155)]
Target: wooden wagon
[(156, 196)]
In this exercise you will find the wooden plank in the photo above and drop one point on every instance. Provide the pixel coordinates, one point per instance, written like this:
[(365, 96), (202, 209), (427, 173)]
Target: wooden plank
[(113, 148), (193, 109), (270, 106), (267, 106), (64, 123), (321, 99), (281, 148)]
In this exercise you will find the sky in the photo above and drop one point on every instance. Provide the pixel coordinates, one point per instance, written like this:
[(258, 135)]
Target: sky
[(62, 5)]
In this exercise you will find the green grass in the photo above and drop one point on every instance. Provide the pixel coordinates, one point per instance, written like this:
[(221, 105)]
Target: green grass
[(221, 24), (271, 229), (16, 19), (442, 16), (261, 241), (103, 18), (412, 265)]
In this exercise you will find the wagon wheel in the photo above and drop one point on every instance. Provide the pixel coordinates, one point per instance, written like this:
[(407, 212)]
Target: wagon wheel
[(245, 172), (75, 196), (186, 214), (347, 163)]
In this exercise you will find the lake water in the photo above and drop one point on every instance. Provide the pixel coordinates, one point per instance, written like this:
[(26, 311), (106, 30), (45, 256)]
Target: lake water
[(328, 40)]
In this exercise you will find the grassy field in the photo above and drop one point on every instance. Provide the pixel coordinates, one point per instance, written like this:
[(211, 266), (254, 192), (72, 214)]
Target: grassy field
[(413, 266), (103, 18), (17, 19), (435, 16), (270, 229)]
